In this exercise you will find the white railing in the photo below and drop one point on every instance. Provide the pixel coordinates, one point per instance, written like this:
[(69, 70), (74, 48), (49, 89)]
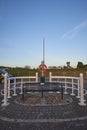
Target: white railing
[(75, 82), (66, 80), (78, 81), (14, 81)]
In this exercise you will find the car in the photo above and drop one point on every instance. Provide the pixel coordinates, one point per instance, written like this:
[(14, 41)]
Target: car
[(2, 73)]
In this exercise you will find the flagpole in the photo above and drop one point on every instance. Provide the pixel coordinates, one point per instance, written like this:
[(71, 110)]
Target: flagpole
[(43, 50)]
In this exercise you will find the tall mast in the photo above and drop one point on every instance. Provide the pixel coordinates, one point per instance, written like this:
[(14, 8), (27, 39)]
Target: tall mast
[(43, 50)]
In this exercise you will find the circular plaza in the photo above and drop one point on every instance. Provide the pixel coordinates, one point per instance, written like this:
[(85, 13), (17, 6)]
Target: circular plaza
[(35, 112), (46, 106)]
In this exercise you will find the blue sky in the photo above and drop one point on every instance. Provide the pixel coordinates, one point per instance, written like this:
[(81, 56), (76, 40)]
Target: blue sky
[(24, 24)]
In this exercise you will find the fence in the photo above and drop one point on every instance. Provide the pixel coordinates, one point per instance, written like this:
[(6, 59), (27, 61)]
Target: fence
[(75, 82)]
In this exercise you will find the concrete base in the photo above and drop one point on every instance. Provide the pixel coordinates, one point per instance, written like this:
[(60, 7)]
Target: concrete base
[(14, 95), (83, 100), (65, 92), (82, 104), (3, 100), (50, 92), (5, 104), (41, 83), (9, 97), (58, 92), (20, 93), (29, 92), (72, 94), (77, 96)]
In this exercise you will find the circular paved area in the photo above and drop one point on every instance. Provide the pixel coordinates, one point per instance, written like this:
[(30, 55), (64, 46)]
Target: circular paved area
[(35, 113), (46, 100), (43, 117)]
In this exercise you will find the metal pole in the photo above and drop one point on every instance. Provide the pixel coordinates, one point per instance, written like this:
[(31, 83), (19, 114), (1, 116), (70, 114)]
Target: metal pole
[(50, 77), (14, 88), (72, 87), (62, 92), (36, 77), (23, 94), (78, 96), (65, 87), (9, 96), (21, 86), (43, 50)]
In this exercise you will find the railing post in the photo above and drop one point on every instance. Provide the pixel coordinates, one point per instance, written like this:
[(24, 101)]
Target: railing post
[(72, 88), (78, 96), (9, 89), (14, 88), (21, 86), (81, 91), (65, 91), (50, 77), (36, 77), (5, 91)]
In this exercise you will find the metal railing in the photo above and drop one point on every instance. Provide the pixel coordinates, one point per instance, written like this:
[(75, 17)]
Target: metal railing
[(72, 83)]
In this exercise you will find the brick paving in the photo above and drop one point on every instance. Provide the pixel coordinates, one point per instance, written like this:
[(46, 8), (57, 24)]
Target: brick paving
[(41, 112), (77, 125), (43, 117)]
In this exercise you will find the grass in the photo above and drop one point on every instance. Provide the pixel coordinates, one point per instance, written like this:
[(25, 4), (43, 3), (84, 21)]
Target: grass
[(58, 72)]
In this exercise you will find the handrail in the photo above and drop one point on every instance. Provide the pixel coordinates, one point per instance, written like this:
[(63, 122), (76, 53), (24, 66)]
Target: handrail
[(78, 81), (65, 77)]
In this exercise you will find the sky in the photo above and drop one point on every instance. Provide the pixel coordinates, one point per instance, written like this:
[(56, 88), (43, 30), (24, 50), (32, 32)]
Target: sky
[(25, 23)]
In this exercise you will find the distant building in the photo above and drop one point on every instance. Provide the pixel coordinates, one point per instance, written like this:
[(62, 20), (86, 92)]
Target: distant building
[(54, 67)]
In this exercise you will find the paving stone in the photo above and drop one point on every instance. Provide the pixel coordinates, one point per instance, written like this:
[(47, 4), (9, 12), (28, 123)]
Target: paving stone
[(43, 113)]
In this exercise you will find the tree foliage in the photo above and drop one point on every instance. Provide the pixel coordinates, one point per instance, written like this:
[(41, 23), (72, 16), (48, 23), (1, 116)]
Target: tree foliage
[(80, 65)]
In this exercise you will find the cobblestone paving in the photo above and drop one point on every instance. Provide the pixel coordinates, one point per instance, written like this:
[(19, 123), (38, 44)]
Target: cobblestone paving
[(25, 112), (45, 117), (77, 125), (42, 117)]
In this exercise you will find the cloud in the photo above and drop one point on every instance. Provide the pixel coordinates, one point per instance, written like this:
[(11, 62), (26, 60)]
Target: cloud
[(75, 30)]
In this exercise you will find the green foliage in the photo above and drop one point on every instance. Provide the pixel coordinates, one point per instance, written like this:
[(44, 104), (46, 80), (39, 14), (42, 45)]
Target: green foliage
[(80, 65), (22, 71), (58, 72)]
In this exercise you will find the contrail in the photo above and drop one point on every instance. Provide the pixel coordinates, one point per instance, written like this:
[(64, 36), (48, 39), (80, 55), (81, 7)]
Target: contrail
[(75, 30)]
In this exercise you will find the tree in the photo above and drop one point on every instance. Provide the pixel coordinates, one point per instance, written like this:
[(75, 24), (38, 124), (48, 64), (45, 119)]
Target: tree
[(80, 65), (68, 64)]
